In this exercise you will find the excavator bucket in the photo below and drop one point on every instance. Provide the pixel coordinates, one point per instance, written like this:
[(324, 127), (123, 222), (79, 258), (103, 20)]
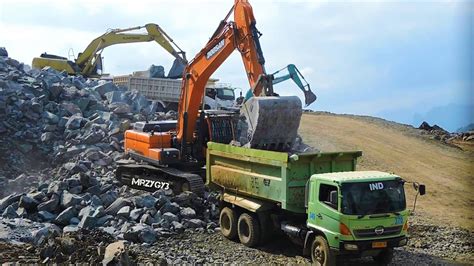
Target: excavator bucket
[(309, 97), (270, 123)]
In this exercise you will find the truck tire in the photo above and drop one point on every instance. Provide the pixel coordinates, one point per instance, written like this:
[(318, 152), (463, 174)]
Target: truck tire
[(321, 254), (248, 229), (384, 257), (228, 223)]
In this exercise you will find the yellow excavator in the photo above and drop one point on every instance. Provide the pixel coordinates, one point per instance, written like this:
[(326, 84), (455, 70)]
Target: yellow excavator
[(89, 62)]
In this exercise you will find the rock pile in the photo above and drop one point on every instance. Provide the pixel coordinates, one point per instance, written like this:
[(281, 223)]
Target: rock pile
[(53, 117), (438, 133), (139, 218), (71, 129)]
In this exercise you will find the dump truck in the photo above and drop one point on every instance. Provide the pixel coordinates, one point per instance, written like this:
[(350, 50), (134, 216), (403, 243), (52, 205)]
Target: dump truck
[(318, 200), (167, 91)]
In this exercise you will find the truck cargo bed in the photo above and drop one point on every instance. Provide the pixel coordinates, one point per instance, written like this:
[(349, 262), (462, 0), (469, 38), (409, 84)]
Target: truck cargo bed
[(277, 177)]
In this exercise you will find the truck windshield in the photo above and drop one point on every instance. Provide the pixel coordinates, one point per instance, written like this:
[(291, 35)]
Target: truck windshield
[(373, 197), (225, 94)]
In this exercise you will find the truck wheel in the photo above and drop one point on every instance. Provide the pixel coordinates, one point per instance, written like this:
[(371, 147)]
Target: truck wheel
[(321, 254), (384, 257), (248, 229), (228, 223)]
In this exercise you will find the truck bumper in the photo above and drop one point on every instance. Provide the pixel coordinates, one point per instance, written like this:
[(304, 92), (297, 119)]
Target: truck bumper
[(358, 247)]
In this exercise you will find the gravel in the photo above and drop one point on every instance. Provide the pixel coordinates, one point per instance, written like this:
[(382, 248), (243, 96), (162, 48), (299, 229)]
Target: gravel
[(429, 245)]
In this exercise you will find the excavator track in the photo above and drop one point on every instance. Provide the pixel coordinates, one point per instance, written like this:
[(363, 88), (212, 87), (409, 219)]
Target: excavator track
[(152, 178)]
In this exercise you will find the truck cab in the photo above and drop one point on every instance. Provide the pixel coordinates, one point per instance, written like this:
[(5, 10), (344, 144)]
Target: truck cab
[(360, 213), (219, 96)]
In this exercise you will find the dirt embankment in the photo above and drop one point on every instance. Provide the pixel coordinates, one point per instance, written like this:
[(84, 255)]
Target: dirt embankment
[(447, 171)]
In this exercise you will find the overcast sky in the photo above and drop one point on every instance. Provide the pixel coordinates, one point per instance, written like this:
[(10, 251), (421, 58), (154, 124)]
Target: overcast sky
[(392, 59)]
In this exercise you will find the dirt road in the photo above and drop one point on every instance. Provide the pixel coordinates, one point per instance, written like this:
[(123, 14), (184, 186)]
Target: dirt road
[(448, 172)]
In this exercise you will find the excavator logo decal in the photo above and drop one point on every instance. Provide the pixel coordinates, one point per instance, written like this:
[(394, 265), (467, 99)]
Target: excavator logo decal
[(215, 49)]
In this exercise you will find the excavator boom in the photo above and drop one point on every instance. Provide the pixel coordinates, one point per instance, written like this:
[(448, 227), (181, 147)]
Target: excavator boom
[(242, 35)]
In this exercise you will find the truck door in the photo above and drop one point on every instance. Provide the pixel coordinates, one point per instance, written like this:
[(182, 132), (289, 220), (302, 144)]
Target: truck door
[(323, 212)]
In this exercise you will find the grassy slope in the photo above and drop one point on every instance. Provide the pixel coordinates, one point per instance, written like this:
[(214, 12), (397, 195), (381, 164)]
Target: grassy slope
[(448, 172)]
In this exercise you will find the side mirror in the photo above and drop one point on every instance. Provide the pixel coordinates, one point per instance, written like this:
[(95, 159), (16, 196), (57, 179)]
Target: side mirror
[(422, 189), (333, 198)]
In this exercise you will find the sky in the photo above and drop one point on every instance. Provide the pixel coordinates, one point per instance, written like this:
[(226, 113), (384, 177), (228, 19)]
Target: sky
[(405, 61)]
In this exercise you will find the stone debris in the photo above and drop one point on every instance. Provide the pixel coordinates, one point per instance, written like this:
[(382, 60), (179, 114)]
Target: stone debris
[(60, 138), (116, 253), (62, 119), (438, 133)]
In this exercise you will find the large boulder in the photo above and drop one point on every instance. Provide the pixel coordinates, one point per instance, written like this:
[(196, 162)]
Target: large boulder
[(88, 221), (116, 254), (10, 212), (28, 203), (187, 213), (50, 205), (65, 216), (117, 205), (8, 200), (69, 199), (172, 207), (3, 52), (140, 233)]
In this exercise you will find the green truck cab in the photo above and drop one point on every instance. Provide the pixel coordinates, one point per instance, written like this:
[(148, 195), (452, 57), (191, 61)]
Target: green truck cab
[(317, 199)]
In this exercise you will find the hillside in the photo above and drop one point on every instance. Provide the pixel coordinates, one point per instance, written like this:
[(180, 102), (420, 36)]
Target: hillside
[(447, 172)]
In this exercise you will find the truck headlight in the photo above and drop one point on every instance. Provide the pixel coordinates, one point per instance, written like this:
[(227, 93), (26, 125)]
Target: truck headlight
[(403, 242), (350, 246)]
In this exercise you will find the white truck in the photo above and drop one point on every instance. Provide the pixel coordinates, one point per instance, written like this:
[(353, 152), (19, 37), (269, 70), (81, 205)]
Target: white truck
[(167, 91)]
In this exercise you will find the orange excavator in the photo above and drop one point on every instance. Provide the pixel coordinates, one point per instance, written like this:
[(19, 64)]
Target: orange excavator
[(171, 154)]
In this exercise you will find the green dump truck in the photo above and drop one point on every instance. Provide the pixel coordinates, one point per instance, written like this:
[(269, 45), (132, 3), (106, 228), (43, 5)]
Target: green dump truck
[(317, 199)]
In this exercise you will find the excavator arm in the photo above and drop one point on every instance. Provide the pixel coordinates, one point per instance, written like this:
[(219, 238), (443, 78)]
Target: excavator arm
[(240, 34), (88, 60), (298, 79)]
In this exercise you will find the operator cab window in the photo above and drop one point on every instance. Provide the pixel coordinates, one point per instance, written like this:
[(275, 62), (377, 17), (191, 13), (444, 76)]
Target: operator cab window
[(328, 195)]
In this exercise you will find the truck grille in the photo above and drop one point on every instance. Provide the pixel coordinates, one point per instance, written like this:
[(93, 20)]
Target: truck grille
[(373, 232)]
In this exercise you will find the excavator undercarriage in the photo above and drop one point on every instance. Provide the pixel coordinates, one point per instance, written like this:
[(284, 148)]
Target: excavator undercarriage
[(151, 178)]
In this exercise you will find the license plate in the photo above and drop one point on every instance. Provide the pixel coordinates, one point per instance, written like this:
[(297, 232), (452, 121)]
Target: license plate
[(379, 244)]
